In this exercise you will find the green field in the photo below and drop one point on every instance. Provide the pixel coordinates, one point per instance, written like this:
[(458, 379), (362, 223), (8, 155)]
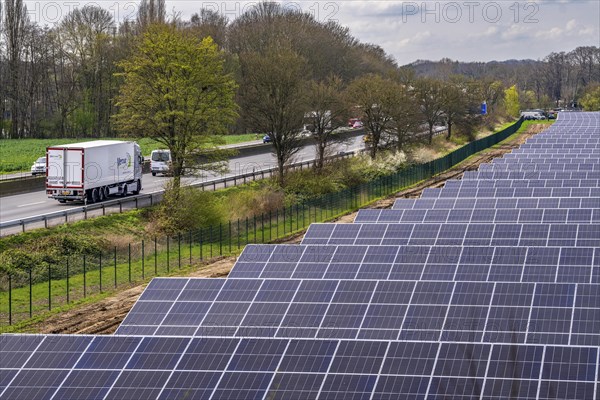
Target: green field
[(18, 154)]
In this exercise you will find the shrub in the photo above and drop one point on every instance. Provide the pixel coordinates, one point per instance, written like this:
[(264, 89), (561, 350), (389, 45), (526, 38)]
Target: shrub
[(184, 210)]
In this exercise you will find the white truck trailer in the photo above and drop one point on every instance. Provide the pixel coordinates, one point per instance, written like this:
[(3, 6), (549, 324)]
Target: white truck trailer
[(93, 171)]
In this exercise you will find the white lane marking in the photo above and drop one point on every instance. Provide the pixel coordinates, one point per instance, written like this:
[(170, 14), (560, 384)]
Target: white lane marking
[(31, 204)]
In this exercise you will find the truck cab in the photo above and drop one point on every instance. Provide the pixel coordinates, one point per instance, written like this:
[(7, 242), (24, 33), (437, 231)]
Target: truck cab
[(160, 162)]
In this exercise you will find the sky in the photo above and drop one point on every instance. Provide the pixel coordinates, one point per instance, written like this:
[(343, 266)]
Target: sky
[(414, 30)]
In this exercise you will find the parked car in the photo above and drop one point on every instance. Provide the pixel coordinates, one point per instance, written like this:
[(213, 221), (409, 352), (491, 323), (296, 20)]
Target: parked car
[(39, 166), (267, 139)]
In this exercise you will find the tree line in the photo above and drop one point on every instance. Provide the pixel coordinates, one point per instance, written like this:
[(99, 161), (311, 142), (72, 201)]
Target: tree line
[(272, 70), (60, 81)]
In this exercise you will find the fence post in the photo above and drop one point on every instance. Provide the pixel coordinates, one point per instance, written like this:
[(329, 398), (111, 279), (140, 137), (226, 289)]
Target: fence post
[(254, 221), (129, 260), (30, 293), (143, 261), (229, 236), (277, 223), (246, 230), (9, 299), (168, 254), (291, 218), (220, 239), (238, 233), (191, 241), (262, 227), (67, 280), (201, 246), (84, 278), (210, 240), (155, 258), (100, 270), (284, 224), (115, 262), (270, 225), (179, 250), (49, 288)]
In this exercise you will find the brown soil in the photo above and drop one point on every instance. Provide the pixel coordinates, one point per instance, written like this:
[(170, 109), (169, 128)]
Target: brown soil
[(103, 317)]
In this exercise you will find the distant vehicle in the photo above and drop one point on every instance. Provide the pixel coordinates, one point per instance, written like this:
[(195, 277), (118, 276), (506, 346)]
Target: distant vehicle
[(357, 125), (267, 139), (532, 115), (160, 162), (92, 171), (39, 166), (352, 121)]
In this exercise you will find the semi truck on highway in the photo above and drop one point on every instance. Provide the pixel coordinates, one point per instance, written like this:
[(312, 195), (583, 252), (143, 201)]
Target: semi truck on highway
[(93, 171)]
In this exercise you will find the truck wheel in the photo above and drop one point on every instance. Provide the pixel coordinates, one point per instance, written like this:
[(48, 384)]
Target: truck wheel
[(95, 196), (62, 201), (106, 192), (138, 187), (124, 191), (101, 194), (154, 174)]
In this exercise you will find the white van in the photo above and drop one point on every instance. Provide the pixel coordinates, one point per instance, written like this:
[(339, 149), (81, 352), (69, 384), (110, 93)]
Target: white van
[(160, 162)]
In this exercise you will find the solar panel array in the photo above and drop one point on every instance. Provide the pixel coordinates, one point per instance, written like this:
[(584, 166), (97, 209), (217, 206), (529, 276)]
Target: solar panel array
[(482, 289)]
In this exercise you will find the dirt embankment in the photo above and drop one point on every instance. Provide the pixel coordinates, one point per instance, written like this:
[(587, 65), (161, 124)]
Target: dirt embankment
[(103, 317)]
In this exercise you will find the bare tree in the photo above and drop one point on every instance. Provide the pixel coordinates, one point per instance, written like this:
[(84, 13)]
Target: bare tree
[(406, 116), (86, 36), (328, 112), (16, 22), (428, 93), (375, 98), (151, 12), (273, 97), (210, 23)]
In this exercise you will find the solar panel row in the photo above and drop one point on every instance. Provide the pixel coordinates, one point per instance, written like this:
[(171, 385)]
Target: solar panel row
[(132, 368), (352, 308), (497, 203), (477, 215), (456, 234)]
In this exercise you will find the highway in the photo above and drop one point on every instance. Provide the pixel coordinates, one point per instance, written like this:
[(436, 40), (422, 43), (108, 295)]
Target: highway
[(37, 203)]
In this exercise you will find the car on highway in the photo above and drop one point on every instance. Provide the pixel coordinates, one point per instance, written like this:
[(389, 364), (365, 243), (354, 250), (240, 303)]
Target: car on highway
[(39, 167), (266, 139), (160, 162)]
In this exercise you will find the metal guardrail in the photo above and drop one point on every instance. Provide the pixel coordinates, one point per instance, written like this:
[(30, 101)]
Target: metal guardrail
[(143, 200)]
